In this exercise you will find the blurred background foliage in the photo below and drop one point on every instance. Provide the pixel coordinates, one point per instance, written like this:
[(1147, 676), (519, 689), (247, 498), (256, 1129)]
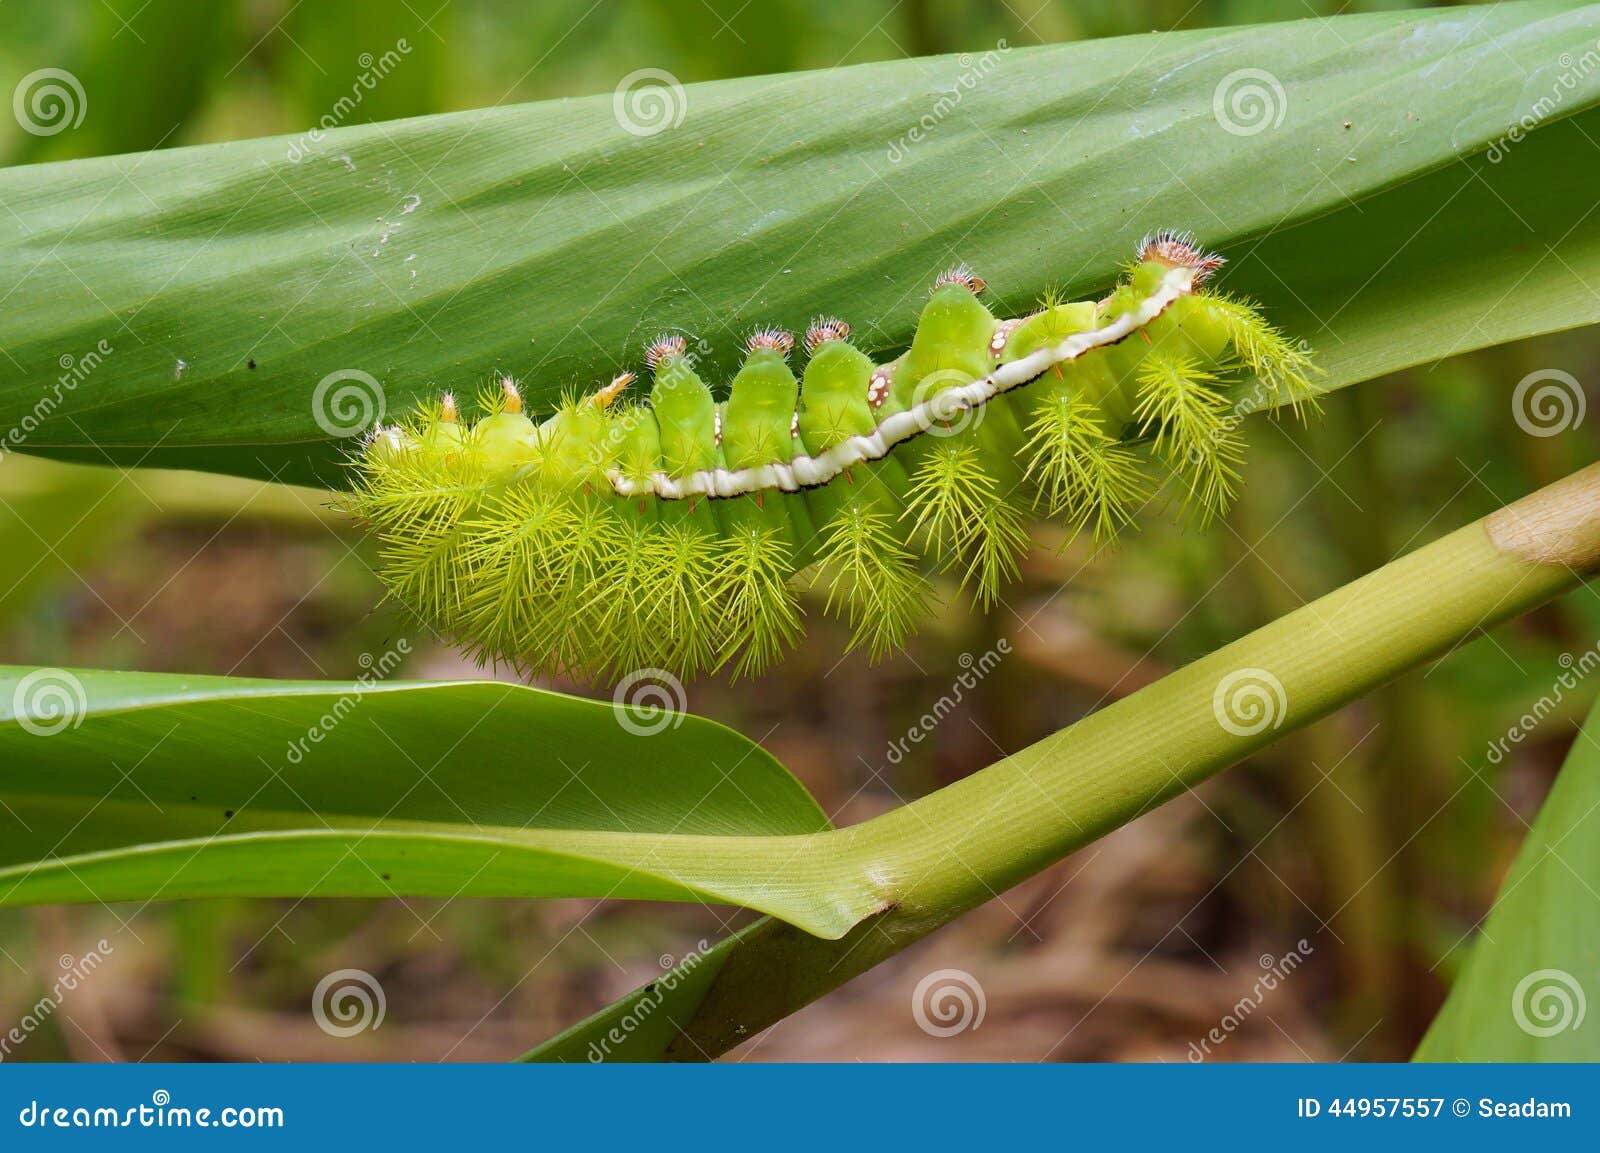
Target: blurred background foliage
[(1379, 836)]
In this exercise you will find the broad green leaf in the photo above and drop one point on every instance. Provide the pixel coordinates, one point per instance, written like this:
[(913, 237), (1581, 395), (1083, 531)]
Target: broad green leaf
[(136, 787), (547, 240), (1531, 987)]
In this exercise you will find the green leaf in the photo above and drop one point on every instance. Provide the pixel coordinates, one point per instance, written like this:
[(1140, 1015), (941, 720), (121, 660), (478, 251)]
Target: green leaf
[(1531, 987), (547, 241), (138, 786)]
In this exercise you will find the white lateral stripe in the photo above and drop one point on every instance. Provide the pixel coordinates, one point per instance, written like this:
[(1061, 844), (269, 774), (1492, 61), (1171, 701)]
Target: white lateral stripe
[(810, 471)]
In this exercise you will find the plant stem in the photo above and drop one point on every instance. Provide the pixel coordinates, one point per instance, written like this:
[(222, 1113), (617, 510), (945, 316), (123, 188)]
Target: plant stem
[(958, 847)]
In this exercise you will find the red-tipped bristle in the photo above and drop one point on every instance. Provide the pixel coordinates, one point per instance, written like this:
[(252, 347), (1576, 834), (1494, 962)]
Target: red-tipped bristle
[(777, 340), (824, 329), (663, 348), (1179, 250), (963, 276)]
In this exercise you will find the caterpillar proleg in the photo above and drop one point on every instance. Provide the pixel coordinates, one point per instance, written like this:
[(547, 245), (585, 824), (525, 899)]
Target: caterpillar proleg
[(670, 531)]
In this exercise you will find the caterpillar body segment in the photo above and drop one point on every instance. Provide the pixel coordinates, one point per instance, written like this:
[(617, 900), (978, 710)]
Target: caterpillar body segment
[(671, 532)]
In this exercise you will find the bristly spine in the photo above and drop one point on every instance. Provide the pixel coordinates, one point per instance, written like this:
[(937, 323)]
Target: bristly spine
[(674, 530)]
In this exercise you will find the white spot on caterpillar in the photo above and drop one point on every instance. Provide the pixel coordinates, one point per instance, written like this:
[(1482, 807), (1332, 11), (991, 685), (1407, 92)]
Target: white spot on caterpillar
[(878, 388), (716, 426), (794, 425), (1002, 333)]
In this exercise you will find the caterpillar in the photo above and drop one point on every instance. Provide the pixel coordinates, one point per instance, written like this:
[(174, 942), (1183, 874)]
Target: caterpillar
[(668, 532)]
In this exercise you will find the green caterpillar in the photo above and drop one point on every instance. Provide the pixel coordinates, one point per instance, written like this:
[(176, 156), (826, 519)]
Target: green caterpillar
[(668, 533)]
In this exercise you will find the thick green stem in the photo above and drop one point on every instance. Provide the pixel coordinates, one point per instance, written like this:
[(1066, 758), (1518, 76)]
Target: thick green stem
[(956, 848)]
